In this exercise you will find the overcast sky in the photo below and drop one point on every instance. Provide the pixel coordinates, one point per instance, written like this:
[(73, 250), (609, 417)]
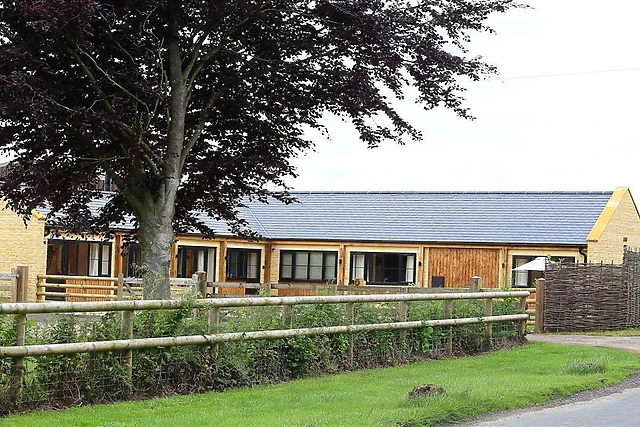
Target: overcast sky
[(562, 115)]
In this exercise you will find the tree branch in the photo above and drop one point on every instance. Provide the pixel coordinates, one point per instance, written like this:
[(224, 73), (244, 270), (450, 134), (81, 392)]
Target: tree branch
[(202, 120), (91, 77), (112, 81)]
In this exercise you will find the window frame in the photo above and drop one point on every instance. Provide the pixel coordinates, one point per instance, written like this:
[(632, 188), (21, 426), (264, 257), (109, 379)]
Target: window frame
[(244, 263), (369, 258), (70, 262), (296, 254), (181, 264)]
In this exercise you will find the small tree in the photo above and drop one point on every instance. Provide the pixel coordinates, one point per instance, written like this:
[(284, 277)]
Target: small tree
[(190, 106)]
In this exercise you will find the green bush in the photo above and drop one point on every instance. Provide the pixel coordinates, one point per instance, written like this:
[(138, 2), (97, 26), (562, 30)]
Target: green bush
[(100, 377)]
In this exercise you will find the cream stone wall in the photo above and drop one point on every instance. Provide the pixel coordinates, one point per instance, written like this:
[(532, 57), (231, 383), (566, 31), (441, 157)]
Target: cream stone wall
[(20, 244), (617, 228)]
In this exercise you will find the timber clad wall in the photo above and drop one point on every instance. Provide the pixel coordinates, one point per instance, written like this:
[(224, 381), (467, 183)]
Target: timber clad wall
[(22, 245), (607, 244), (458, 265)]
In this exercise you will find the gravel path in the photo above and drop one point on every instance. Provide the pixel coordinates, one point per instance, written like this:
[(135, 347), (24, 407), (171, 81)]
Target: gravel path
[(623, 343)]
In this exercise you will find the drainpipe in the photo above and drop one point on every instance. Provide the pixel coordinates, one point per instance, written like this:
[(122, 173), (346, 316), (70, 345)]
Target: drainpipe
[(583, 252)]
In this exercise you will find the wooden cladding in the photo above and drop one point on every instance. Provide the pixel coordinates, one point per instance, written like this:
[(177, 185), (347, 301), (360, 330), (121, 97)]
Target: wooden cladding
[(457, 266)]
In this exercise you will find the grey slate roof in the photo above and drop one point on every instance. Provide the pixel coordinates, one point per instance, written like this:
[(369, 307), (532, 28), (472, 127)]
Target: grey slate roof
[(554, 218), (559, 218)]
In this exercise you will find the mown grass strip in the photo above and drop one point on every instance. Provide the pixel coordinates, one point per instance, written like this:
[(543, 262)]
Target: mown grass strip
[(508, 379)]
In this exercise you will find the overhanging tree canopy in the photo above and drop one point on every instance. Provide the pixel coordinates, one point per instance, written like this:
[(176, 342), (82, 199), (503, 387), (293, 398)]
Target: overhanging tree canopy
[(192, 105)]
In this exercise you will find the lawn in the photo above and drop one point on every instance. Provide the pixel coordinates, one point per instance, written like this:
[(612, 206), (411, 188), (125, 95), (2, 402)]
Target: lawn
[(507, 379)]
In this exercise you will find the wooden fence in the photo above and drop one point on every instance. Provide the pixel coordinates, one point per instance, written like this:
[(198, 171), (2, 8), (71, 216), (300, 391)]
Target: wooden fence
[(13, 285), (129, 344), (582, 297), (83, 288)]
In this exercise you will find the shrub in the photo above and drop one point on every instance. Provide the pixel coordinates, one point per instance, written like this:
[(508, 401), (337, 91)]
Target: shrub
[(100, 377)]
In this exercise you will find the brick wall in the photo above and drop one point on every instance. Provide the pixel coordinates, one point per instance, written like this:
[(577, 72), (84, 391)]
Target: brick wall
[(22, 245)]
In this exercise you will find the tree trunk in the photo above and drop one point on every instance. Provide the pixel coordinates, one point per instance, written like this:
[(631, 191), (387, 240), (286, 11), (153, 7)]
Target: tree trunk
[(155, 234)]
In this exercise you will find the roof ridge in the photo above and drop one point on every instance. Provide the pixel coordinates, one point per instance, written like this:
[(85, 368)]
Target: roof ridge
[(373, 192), (266, 232)]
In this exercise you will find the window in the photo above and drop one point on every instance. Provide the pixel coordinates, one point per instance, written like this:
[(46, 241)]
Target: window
[(192, 259), (243, 264), (527, 278), (132, 260), (383, 267), (74, 258), (308, 265)]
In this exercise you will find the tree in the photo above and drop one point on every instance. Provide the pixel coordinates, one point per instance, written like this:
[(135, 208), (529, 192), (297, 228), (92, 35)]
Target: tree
[(191, 105)]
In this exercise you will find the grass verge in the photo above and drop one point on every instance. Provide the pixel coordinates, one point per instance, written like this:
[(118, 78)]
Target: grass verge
[(519, 377)]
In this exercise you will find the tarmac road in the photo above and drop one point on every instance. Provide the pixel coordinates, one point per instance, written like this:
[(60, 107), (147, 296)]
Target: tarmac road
[(618, 405)]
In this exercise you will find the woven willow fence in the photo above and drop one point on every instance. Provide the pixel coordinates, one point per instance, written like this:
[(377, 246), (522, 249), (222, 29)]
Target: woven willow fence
[(581, 297)]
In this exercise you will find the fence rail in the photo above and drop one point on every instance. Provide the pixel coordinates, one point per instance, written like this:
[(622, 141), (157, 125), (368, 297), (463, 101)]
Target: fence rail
[(86, 288), (89, 288), (128, 344)]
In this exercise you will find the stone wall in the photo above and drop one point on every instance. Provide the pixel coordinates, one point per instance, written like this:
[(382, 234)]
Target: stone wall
[(20, 244), (620, 229)]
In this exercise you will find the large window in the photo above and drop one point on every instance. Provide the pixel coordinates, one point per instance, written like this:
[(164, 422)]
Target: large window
[(243, 264), (75, 258), (192, 259), (383, 267), (312, 266), (527, 278)]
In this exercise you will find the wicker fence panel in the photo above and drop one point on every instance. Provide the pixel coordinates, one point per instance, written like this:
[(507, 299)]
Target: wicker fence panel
[(582, 297), (632, 276)]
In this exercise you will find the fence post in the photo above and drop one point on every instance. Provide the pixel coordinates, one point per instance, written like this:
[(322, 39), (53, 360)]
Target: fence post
[(266, 290), (120, 294), (287, 314), (214, 325), (522, 308), (448, 314), (403, 311), (475, 283), (127, 355), (350, 320), (17, 363), (202, 283), (488, 328), (540, 287), (41, 286)]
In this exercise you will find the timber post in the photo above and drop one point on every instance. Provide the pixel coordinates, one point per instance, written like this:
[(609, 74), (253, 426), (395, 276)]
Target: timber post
[(287, 315), (120, 292), (20, 283), (488, 328), (127, 355), (540, 287), (350, 312), (202, 283), (214, 326), (403, 311), (522, 308), (448, 314), (475, 284)]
